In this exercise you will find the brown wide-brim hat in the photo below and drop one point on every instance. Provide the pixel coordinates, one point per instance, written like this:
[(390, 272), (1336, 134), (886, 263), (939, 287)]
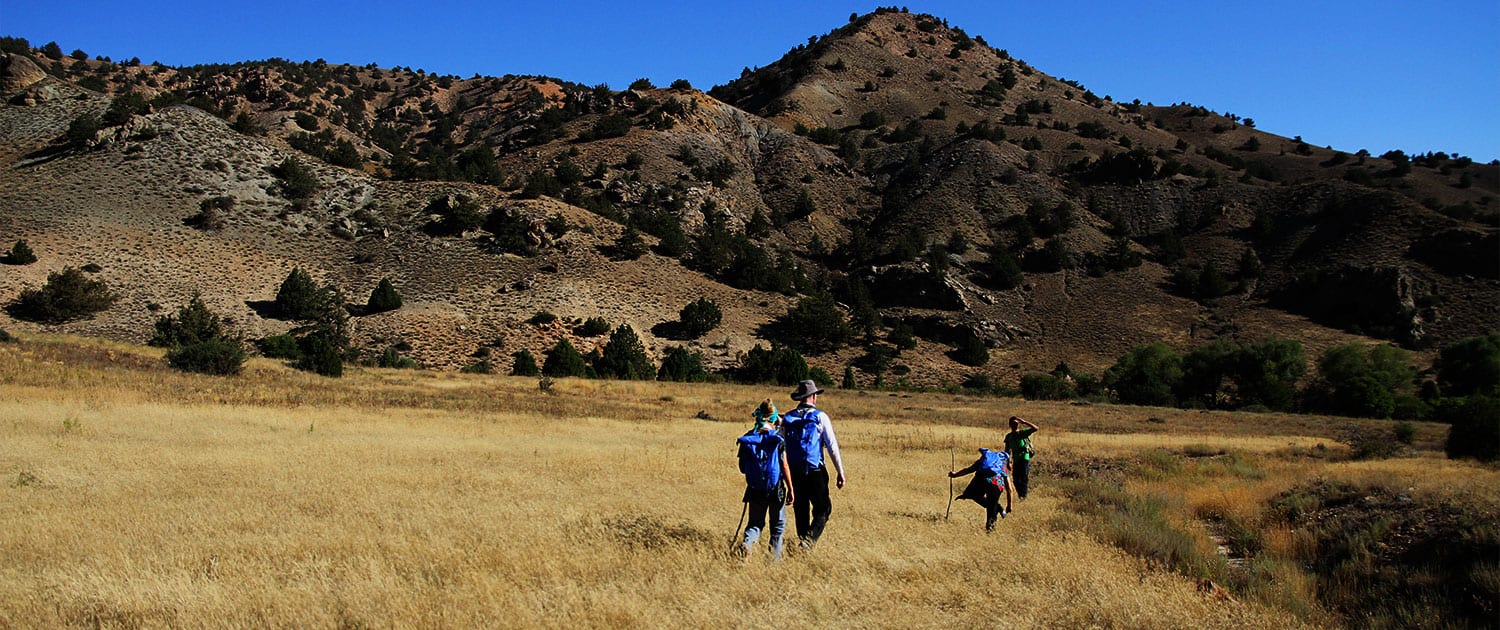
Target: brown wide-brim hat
[(805, 389)]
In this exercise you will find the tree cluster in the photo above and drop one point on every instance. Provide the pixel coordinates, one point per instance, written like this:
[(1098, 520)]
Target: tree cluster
[(197, 341)]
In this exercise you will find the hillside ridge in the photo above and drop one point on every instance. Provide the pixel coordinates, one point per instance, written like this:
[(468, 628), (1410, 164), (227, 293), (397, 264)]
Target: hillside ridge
[(889, 164)]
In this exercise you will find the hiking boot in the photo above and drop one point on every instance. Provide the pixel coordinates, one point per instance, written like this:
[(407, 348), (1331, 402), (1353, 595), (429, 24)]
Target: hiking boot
[(805, 545)]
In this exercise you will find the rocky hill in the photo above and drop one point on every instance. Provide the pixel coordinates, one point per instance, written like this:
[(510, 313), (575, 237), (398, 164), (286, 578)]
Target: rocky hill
[(895, 163)]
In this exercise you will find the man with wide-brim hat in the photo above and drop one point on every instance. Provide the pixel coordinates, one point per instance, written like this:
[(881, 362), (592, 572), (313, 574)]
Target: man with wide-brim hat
[(809, 433)]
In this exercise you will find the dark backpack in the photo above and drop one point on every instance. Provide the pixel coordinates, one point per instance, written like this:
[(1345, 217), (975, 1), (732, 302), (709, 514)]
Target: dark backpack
[(804, 439), (760, 461)]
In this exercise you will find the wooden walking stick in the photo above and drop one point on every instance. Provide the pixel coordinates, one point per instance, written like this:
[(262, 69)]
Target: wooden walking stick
[(734, 542), (952, 461)]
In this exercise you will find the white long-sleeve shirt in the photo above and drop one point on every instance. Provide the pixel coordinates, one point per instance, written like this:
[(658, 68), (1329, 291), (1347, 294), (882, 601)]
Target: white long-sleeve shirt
[(827, 440)]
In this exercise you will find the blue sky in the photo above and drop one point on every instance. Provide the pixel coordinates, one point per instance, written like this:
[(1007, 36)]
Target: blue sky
[(1375, 74)]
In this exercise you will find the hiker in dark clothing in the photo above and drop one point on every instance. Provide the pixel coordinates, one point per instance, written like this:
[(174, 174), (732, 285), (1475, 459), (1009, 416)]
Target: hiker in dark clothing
[(808, 434), (1018, 444), (762, 456), (990, 479)]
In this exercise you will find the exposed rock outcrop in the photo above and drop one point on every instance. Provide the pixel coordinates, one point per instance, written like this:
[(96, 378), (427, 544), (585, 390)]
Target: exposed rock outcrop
[(18, 73)]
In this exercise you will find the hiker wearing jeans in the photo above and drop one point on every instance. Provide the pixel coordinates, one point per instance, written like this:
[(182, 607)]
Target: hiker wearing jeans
[(767, 493), (809, 433), (1018, 445), (990, 472)]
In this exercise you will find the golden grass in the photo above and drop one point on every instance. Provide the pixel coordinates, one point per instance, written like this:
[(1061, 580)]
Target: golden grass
[(131, 495)]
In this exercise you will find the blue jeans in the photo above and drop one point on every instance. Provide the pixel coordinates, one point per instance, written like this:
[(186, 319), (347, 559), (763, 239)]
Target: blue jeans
[(762, 507)]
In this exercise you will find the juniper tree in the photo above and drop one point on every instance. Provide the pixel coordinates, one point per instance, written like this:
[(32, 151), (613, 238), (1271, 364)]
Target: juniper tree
[(383, 298), (523, 364), (625, 357), (20, 254), (563, 360), (681, 365), (699, 317), (68, 295)]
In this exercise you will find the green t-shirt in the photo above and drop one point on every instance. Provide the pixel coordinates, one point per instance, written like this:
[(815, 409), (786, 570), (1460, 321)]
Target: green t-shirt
[(1017, 441)]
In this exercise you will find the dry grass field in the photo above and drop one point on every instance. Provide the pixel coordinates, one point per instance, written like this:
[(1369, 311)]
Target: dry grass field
[(135, 496)]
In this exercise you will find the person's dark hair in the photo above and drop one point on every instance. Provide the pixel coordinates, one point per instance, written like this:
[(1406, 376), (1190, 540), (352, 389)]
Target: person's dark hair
[(1015, 422)]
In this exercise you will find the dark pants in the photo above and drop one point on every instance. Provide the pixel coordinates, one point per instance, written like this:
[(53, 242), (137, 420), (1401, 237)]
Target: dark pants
[(1021, 471), (811, 489), (986, 493)]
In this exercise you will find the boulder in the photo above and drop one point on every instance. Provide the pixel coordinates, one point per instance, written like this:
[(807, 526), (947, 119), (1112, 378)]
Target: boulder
[(18, 73)]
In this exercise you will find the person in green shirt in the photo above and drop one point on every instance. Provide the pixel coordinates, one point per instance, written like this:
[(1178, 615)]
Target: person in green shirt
[(1018, 444)]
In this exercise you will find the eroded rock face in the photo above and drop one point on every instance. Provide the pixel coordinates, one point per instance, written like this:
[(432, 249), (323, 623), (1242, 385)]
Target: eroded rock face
[(1378, 301), (18, 73), (913, 285)]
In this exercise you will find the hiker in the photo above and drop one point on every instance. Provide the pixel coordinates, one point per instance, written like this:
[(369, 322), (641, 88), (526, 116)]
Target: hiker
[(809, 432), (1018, 444), (990, 478), (767, 479)]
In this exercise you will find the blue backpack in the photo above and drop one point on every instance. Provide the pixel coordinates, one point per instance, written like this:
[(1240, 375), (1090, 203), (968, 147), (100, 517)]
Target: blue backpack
[(760, 461), (993, 463), (804, 439)]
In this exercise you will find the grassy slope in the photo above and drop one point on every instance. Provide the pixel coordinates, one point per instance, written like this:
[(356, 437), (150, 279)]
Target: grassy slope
[(135, 495)]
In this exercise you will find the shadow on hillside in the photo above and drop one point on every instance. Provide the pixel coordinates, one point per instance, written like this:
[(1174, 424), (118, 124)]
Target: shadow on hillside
[(671, 330), (266, 309), (43, 155)]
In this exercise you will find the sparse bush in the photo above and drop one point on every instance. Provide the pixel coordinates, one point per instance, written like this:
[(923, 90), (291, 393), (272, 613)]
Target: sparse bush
[(541, 318), (211, 213), (82, 130), (455, 214), (681, 365), (481, 366), (1147, 375), (593, 327), (1002, 271), (320, 355), (122, 108), (1475, 432), (971, 351), (20, 254), (198, 341), (192, 324), (699, 317), (384, 298), (1038, 386), (68, 295), (817, 323), (508, 229), (780, 365), (280, 347), (392, 358), (221, 356), (630, 245), (1470, 366), (563, 360), (297, 180), (524, 364), (625, 357), (299, 298)]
